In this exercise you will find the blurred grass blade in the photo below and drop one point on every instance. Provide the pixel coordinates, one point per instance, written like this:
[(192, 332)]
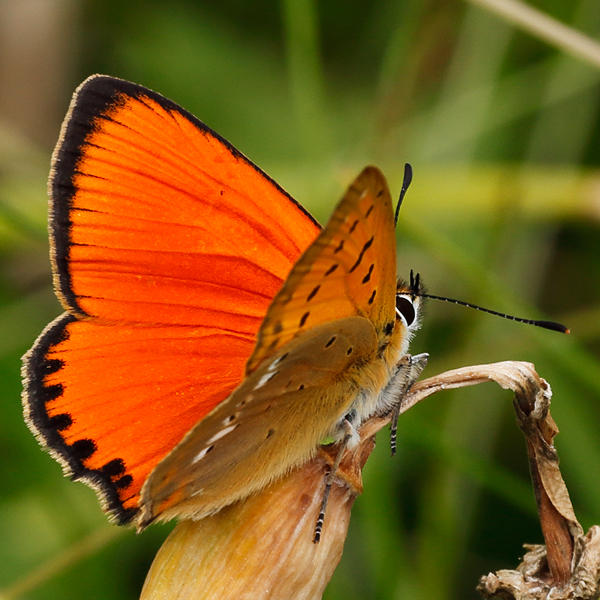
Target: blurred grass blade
[(475, 65), (561, 132), (545, 27), (85, 547), (306, 74)]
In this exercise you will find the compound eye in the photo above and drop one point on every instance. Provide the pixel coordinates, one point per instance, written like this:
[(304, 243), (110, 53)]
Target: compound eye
[(405, 310)]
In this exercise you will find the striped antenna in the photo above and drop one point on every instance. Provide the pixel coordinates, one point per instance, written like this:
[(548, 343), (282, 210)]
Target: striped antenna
[(551, 325)]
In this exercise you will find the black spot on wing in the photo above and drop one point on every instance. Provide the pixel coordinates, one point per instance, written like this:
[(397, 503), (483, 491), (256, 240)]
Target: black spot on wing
[(83, 449), (367, 277), (372, 298), (53, 365), (339, 247), (330, 342), (370, 209), (331, 269), (353, 227), (313, 293), (52, 392), (367, 245), (304, 318), (60, 422), (123, 482), (114, 468)]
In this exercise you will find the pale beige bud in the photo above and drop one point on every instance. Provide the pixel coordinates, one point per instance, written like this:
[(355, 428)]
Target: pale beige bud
[(263, 546)]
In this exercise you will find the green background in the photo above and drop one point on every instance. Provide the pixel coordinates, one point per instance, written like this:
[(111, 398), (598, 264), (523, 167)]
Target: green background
[(502, 131)]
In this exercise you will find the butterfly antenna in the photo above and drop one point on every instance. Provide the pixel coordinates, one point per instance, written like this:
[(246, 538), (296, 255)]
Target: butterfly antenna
[(408, 174), (415, 284), (553, 326)]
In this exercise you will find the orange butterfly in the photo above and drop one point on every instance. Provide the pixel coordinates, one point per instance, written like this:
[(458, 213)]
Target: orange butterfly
[(213, 334)]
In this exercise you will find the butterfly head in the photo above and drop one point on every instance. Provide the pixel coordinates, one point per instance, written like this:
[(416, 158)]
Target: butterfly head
[(408, 313)]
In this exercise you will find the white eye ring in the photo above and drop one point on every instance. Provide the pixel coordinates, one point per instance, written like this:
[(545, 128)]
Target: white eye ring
[(405, 309)]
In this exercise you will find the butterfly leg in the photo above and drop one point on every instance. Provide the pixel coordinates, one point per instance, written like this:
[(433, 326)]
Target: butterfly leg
[(409, 370), (349, 432)]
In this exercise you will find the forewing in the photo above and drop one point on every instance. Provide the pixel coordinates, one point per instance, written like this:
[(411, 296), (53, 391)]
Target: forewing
[(349, 270), (157, 219)]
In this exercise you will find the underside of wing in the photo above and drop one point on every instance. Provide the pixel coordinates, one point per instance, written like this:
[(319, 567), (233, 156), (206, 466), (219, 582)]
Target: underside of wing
[(349, 270), (273, 422)]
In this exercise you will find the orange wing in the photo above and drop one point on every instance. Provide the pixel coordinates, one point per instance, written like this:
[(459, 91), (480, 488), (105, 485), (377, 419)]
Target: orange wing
[(168, 246), (350, 270)]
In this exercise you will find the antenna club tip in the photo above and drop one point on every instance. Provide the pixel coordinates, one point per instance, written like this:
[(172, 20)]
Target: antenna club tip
[(408, 175), (553, 326)]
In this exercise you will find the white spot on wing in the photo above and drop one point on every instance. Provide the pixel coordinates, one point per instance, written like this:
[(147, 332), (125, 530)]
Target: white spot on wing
[(201, 454), (221, 433), (266, 377), (214, 438), (275, 363)]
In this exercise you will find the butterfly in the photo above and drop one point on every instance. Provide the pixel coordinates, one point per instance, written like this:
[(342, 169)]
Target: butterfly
[(213, 335)]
